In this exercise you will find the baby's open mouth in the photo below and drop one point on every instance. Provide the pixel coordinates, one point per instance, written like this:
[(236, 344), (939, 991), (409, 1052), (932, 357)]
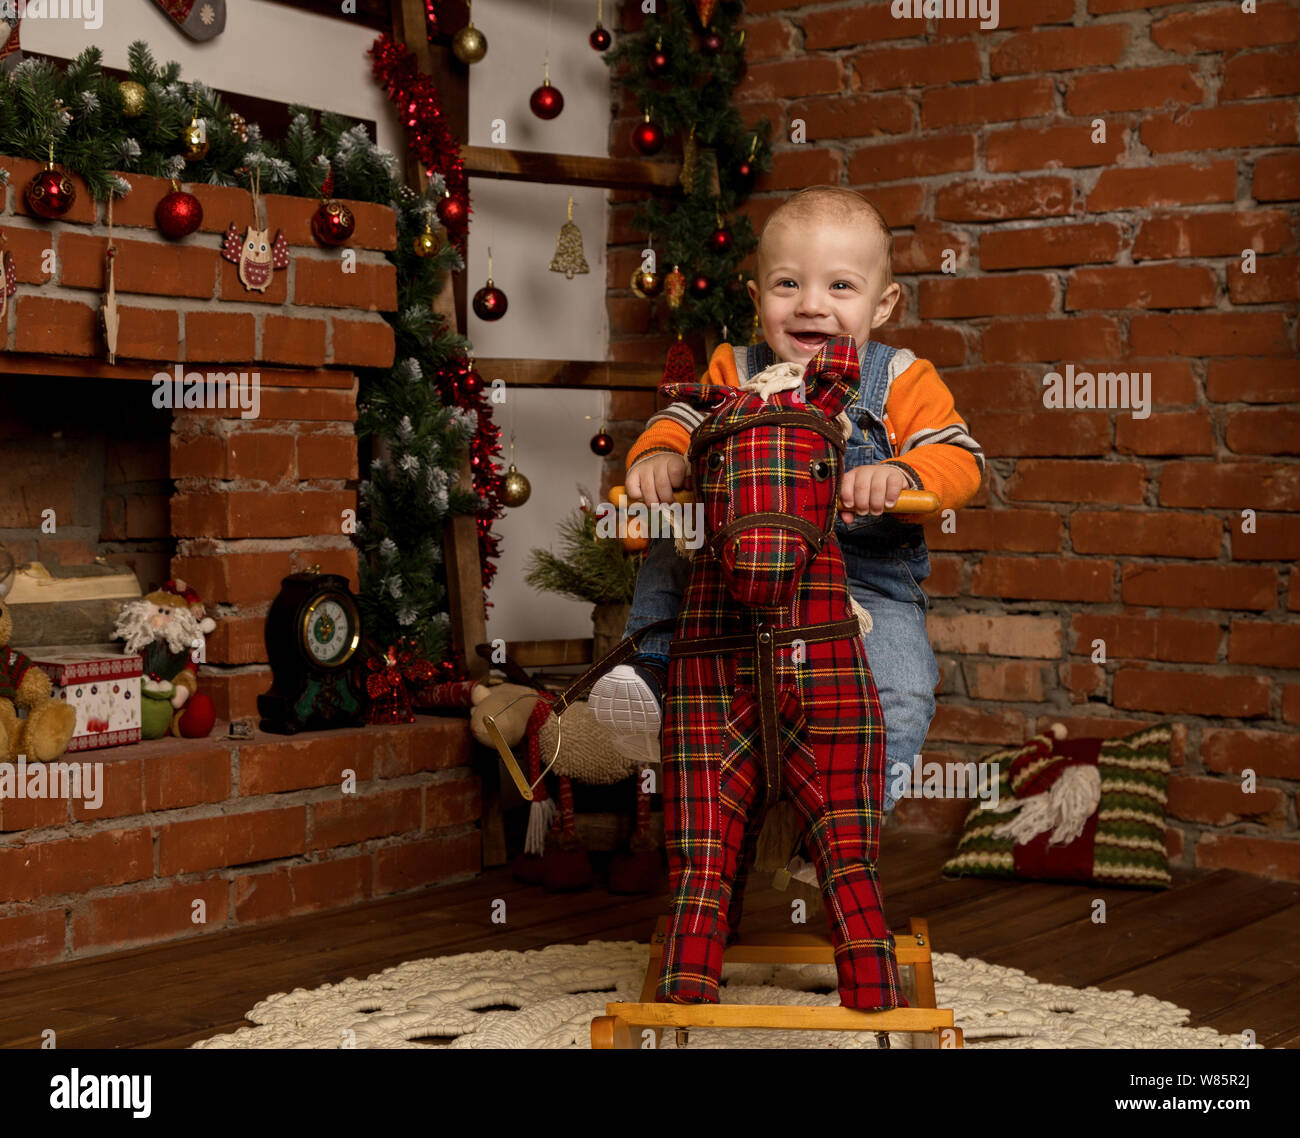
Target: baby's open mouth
[(810, 339)]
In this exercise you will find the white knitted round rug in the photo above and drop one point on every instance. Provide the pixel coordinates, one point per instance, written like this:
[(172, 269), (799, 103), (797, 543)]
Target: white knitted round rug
[(546, 998)]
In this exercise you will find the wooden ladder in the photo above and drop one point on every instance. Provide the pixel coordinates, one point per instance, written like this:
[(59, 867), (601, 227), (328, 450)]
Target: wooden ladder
[(636, 1025)]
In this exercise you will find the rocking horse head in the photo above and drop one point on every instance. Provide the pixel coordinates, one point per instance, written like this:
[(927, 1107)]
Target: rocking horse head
[(767, 466)]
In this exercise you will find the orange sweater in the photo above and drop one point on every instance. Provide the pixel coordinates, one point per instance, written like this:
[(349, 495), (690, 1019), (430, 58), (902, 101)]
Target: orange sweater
[(935, 451)]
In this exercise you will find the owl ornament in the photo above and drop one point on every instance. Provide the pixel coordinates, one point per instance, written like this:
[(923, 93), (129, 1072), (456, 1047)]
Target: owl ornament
[(256, 255)]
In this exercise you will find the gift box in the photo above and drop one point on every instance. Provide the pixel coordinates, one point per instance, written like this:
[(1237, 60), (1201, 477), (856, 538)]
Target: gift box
[(102, 684)]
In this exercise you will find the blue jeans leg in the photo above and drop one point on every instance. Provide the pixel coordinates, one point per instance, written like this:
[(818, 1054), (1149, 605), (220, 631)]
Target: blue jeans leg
[(660, 585), (903, 664)]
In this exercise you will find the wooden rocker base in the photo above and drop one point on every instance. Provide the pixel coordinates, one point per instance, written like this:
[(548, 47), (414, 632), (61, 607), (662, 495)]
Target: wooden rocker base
[(624, 1025)]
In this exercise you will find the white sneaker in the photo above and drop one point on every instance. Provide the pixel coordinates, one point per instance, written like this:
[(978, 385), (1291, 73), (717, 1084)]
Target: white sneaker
[(625, 702)]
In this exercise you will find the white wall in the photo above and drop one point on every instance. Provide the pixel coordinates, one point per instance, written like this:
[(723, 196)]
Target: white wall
[(548, 317), (275, 52)]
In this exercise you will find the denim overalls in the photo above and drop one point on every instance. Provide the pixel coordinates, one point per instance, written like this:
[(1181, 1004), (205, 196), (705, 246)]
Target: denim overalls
[(885, 561)]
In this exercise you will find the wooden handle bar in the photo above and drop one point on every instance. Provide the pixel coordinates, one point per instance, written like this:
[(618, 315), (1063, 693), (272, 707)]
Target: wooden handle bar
[(909, 501)]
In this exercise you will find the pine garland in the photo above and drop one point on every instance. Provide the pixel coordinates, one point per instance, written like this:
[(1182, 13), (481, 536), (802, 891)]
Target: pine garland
[(590, 568), (697, 91), (419, 444)]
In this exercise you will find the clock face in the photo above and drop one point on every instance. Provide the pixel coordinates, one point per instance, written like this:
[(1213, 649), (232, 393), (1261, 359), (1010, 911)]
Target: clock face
[(330, 631)]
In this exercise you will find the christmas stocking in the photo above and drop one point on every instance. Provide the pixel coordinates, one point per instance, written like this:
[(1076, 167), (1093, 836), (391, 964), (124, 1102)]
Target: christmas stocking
[(198, 19), (10, 51)]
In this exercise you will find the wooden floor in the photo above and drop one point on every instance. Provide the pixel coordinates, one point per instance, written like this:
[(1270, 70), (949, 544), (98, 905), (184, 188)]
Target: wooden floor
[(1224, 945)]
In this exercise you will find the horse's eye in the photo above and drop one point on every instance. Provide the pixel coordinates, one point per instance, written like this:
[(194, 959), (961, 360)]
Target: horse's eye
[(714, 461), (821, 469)]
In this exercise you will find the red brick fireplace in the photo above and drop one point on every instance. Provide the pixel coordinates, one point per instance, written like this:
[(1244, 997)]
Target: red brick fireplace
[(257, 829)]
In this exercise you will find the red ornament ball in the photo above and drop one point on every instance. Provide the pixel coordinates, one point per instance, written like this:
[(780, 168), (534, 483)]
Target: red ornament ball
[(195, 720), (700, 285), (713, 43), (600, 39), (333, 223), (746, 172), (658, 63), (489, 304), (648, 138), (720, 241), (451, 212), (601, 444), (546, 102), (51, 194), (178, 215)]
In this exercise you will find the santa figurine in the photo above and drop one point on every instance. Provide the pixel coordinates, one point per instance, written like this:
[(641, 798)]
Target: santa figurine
[(166, 629)]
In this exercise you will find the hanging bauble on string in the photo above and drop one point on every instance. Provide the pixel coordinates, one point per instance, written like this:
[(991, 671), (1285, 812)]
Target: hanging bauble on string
[(674, 287), (600, 39), (700, 285), (332, 223), (721, 240), (515, 488), (194, 140), (178, 213), (469, 45), (658, 61), (568, 257), (51, 193), (133, 96), (679, 366), (602, 442), (713, 43), (647, 137), (546, 102), (747, 171), (426, 243), (451, 211), (489, 302), (647, 285)]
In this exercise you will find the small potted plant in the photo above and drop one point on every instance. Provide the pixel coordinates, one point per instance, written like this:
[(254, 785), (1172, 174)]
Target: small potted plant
[(589, 568)]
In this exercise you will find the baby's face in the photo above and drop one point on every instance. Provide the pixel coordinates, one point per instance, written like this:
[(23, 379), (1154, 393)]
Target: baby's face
[(818, 280)]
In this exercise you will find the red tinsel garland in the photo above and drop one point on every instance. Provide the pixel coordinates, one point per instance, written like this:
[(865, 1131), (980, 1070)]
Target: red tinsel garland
[(431, 143)]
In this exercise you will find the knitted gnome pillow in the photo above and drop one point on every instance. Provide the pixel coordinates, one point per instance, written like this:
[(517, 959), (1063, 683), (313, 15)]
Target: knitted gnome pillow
[(1074, 810)]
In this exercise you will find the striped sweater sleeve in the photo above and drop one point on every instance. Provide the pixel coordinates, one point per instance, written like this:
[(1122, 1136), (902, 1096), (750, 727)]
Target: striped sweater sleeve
[(934, 447), (670, 429)]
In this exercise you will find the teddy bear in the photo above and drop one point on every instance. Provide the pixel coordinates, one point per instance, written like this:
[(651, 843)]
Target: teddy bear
[(47, 730), (557, 859), (167, 628)]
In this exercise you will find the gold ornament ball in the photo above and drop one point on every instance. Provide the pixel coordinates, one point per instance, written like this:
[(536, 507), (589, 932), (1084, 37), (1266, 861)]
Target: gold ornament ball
[(426, 243), (647, 285), (133, 94), (195, 141), (515, 488), (469, 44)]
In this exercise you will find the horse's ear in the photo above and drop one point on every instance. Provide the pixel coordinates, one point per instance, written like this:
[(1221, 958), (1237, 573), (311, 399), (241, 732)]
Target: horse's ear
[(705, 396), (832, 376)]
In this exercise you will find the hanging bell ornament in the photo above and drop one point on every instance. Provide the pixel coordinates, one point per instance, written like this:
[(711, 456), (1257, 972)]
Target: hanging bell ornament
[(647, 285), (490, 302), (194, 140), (515, 488), (600, 39), (469, 45), (426, 243), (647, 137), (602, 442), (568, 257), (674, 287), (51, 193), (332, 223), (133, 96), (546, 102)]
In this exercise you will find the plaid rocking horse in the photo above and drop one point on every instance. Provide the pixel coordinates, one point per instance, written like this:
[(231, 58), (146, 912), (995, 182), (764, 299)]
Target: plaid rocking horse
[(769, 689)]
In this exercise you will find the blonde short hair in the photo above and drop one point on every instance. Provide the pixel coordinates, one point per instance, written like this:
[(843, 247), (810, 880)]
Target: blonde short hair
[(834, 204)]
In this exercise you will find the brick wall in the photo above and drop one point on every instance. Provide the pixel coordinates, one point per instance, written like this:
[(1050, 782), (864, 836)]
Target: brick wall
[(1118, 253)]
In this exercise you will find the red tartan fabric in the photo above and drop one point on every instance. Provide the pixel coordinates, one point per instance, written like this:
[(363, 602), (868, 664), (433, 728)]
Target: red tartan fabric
[(831, 729)]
